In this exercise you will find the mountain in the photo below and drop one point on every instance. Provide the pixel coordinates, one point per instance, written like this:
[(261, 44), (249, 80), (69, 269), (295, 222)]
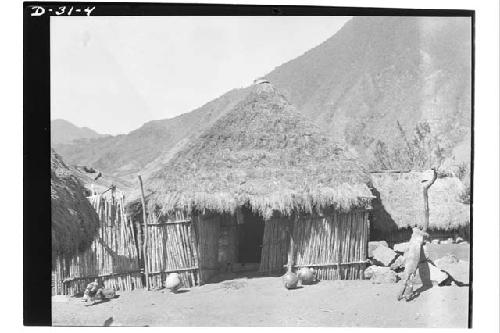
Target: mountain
[(145, 149), (64, 132), (376, 71), (357, 85)]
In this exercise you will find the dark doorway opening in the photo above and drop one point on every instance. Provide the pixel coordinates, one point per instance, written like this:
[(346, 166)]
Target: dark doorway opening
[(250, 237)]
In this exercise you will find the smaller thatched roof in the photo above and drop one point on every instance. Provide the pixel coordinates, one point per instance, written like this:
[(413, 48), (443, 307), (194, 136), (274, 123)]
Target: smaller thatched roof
[(74, 221), (399, 202), (265, 154)]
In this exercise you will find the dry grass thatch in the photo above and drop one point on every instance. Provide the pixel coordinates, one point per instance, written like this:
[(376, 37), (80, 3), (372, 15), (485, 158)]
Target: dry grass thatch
[(74, 221), (265, 154), (401, 202)]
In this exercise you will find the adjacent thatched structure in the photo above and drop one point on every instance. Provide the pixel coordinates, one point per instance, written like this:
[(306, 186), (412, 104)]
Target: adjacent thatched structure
[(399, 206), (112, 256), (74, 221), (262, 161)]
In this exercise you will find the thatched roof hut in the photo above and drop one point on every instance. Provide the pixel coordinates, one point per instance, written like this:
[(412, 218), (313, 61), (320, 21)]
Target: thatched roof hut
[(236, 194), (263, 154), (74, 221), (399, 204)]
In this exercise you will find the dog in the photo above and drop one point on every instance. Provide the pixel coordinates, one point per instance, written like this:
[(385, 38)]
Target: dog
[(412, 259)]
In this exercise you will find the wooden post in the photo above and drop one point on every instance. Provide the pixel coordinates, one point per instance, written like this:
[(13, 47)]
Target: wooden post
[(56, 280), (139, 240), (291, 250), (425, 188), (145, 244)]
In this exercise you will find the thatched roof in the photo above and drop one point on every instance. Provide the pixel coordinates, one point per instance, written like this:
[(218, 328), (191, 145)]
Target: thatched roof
[(74, 221), (400, 202), (265, 154)]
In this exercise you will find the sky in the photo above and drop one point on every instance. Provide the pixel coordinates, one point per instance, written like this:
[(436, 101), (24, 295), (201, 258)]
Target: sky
[(113, 74)]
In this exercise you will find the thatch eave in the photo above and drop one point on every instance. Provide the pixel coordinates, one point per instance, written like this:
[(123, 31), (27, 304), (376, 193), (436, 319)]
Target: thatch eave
[(74, 221)]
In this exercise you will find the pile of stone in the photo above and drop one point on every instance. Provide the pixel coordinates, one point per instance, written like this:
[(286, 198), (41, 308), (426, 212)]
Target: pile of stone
[(456, 240), (456, 269), (387, 266), (385, 263)]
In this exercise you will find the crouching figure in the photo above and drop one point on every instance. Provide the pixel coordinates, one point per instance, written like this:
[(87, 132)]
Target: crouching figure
[(412, 259)]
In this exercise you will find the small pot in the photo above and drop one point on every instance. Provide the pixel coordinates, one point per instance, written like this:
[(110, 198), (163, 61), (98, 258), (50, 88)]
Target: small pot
[(173, 282), (290, 280), (306, 275)]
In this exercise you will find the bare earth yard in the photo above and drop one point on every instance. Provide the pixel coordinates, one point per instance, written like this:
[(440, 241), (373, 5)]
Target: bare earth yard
[(263, 301)]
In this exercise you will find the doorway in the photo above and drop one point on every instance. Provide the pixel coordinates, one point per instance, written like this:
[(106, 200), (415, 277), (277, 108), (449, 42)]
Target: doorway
[(250, 236)]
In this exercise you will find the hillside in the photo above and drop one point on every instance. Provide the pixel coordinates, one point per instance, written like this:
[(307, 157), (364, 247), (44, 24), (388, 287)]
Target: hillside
[(379, 70), (64, 132), (145, 148), (356, 85)]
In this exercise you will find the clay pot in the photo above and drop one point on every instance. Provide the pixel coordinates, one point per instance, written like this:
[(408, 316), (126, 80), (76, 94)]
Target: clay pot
[(290, 280), (306, 275), (108, 293), (173, 282)]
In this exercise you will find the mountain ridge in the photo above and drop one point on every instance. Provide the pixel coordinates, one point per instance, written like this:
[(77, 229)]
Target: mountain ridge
[(374, 72), (64, 132)]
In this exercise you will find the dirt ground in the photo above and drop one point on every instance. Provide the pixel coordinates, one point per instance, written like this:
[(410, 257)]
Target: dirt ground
[(263, 301)]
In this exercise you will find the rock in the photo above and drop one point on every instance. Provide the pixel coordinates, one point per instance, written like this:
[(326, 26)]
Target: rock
[(384, 256), (368, 273), (451, 241), (435, 241), (457, 269), (427, 272), (459, 240), (436, 275), (398, 264), (461, 251), (373, 245), (378, 274), (400, 247), (447, 259)]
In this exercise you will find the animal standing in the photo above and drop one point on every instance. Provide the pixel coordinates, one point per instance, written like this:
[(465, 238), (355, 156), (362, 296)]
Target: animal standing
[(412, 259)]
